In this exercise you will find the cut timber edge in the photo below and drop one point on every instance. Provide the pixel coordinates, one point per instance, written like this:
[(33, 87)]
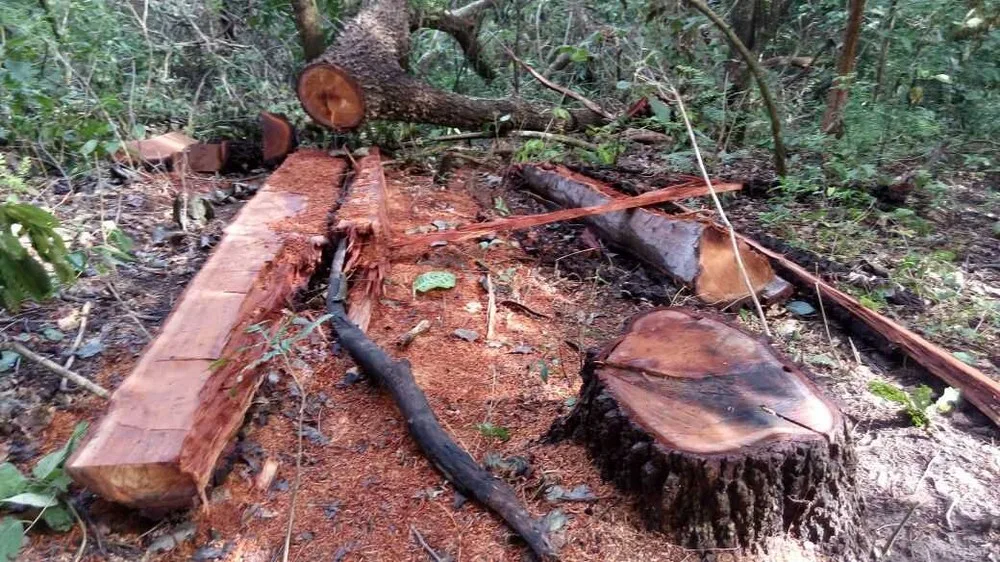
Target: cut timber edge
[(169, 421)]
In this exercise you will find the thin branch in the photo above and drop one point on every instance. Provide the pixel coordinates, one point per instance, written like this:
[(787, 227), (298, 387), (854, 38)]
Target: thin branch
[(56, 368), (561, 89), (722, 213), (84, 315)]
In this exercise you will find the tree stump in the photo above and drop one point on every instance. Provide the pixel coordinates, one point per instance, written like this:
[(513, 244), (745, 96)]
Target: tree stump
[(723, 442)]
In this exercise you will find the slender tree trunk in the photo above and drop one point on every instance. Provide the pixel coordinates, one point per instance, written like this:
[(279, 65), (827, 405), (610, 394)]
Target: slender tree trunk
[(836, 101), (883, 54), (758, 73), (310, 31)]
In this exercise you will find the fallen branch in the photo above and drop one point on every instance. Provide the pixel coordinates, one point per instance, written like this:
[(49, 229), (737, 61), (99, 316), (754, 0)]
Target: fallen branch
[(84, 315), (561, 89), (451, 460), (56, 368), (673, 193), (514, 133)]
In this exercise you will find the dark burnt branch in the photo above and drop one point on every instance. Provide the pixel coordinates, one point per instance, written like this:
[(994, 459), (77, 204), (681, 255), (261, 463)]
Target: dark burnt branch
[(451, 460)]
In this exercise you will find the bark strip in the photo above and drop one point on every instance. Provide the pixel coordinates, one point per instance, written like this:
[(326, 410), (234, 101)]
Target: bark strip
[(452, 461)]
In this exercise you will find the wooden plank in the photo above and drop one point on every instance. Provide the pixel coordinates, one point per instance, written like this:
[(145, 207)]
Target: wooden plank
[(169, 421), (692, 251), (159, 150)]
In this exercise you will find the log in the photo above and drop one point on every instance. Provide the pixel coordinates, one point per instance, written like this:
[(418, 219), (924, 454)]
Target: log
[(722, 442), (468, 232), (362, 76), (277, 137), (169, 421), (692, 251), (457, 466)]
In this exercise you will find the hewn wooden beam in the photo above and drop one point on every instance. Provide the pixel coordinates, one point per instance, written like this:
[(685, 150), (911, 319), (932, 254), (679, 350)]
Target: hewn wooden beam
[(169, 421)]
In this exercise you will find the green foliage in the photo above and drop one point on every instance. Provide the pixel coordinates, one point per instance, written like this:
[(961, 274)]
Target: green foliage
[(915, 403), (493, 431), (22, 273), (282, 343), (44, 491)]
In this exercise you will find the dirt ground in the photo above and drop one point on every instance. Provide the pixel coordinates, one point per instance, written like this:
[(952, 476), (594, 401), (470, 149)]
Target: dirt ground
[(364, 490)]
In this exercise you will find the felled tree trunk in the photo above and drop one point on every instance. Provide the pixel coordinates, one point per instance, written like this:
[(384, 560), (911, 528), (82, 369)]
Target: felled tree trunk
[(723, 442), (363, 76)]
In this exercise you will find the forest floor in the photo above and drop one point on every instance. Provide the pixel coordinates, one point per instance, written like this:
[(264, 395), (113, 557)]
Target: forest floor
[(365, 491)]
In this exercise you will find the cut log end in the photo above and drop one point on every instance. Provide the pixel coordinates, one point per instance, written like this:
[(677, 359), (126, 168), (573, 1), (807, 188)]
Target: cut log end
[(719, 279), (331, 96), (279, 138), (723, 442)]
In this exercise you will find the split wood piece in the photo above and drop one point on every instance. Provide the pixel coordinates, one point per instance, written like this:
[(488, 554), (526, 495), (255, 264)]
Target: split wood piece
[(159, 150), (363, 220), (362, 75), (695, 252), (468, 232), (468, 477), (278, 138), (723, 442), (975, 386), (204, 158), (169, 421)]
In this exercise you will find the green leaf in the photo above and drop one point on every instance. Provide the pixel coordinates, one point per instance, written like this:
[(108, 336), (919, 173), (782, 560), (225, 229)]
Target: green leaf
[(660, 111), (623, 85), (11, 538), (12, 482), (49, 467), (560, 113), (947, 401), (58, 518), (433, 280), (53, 334), (8, 359), (493, 431), (88, 147), (32, 499), (889, 392), (965, 357)]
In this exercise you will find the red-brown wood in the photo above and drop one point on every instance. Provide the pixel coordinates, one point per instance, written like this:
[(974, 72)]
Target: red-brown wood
[(169, 421), (278, 136), (158, 150), (363, 219), (205, 158)]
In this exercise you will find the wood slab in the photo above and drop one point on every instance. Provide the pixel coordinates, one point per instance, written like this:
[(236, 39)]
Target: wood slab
[(159, 150), (169, 421)]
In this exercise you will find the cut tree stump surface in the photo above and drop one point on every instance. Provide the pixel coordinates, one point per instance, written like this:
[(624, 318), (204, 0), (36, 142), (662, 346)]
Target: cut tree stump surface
[(159, 149), (724, 442), (169, 421)]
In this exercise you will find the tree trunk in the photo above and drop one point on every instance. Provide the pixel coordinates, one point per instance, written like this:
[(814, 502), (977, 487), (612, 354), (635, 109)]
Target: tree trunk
[(836, 101), (363, 76), (723, 442), (310, 31)]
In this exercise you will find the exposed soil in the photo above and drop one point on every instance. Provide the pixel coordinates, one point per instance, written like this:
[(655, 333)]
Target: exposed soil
[(364, 489)]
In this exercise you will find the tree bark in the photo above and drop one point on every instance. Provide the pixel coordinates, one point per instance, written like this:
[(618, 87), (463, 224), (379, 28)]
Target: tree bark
[(363, 76), (836, 101), (723, 442), (307, 21)]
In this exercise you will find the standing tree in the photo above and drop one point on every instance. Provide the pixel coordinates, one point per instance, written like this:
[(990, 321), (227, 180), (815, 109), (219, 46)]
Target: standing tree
[(836, 100)]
